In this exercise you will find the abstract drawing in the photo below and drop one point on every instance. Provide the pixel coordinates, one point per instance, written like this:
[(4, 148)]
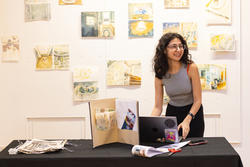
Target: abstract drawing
[(222, 42)]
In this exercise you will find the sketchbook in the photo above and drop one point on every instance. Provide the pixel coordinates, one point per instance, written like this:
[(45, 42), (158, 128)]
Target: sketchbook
[(114, 120)]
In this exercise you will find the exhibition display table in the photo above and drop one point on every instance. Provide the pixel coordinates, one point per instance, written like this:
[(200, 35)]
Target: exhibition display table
[(216, 153)]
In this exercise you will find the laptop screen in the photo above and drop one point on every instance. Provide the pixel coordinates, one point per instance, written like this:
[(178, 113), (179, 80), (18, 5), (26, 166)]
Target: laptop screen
[(158, 128)]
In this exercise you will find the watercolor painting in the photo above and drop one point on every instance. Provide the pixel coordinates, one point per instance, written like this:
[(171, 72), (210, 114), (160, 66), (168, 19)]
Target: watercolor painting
[(10, 48), (85, 81), (212, 76), (37, 10), (123, 73), (222, 42), (168, 4), (140, 23), (61, 57), (98, 24), (44, 56), (187, 30), (219, 11)]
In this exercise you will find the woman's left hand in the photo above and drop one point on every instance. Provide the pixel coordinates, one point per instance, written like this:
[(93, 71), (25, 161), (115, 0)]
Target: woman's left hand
[(185, 128)]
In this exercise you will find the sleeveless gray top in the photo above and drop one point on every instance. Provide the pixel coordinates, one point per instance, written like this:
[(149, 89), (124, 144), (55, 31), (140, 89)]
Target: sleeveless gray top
[(178, 87)]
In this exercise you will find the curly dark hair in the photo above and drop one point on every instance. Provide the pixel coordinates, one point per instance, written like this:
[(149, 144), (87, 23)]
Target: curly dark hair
[(160, 61)]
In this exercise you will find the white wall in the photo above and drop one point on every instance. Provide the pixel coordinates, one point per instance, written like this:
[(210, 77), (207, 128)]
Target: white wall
[(34, 101)]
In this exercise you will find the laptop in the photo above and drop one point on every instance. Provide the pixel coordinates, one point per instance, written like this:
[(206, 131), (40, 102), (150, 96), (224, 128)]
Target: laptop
[(158, 129)]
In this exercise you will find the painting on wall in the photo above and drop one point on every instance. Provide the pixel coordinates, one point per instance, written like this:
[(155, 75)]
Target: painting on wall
[(219, 11), (222, 42), (123, 73), (140, 23), (212, 76), (37, 10), (98, 24), (70, 2), (44, 55), (176, 4), (52, 57), (10, 48), (187, 30), (85, 84), (61, 57)]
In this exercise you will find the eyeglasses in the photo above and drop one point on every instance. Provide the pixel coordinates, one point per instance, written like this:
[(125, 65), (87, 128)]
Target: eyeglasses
[(175, 47)]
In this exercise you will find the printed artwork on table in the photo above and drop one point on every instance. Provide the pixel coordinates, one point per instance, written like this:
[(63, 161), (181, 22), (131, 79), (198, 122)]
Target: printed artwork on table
[(222, 42), (176, 4), (123, 73), (61, 57), (140, 23), (70, 2), (212, 76), (219, 11), (85, 82), (10, 48), (187, 30), (98, 24), (36, 10)]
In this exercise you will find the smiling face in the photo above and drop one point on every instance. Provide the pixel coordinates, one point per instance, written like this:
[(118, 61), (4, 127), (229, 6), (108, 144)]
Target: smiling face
[(175, 49)]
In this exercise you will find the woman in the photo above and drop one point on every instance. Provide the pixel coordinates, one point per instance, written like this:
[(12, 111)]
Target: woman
[(180, 76)]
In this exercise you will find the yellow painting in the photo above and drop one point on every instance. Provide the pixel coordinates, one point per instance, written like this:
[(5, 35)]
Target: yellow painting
[(176, 4), (140, 11), (140, 28), (187, 30), (10, 48), (212, 76), (222, 42), (44, 58), (219, 11), (123, 73), (61, 57), (70, 2)]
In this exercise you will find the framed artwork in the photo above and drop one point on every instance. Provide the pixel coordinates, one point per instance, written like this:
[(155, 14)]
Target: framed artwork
[(219, 11), (37, 10), (123, 73), (98, 24), (212, 76), (85, 84), (10, 48), (70, 2), (176, 4), (222, 42), (140, 23), (187, 30)]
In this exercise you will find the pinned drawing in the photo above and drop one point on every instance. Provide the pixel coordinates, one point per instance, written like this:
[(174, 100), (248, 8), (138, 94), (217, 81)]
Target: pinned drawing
[(212, 76), (187, 30), (222, 42), (61, 57), (70, 2), (140, 23), (44, 55), (176, 4), (37, 10), (85, 84), (98, 24), (52, 57), (219, 11), (10, 48), (123, 73)]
